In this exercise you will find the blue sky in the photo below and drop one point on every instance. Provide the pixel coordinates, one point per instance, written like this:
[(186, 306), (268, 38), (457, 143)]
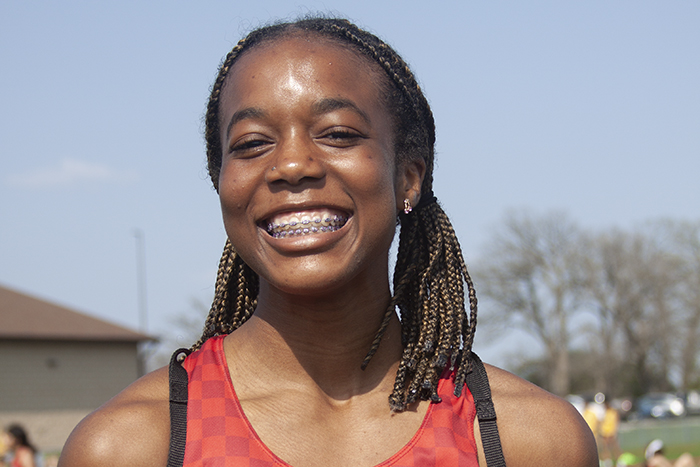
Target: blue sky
[(590, 107)]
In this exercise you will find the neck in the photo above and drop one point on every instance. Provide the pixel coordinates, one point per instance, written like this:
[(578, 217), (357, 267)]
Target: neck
[(323, 339)]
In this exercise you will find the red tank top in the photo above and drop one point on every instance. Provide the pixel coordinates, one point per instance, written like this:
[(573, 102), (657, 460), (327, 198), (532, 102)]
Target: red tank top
[(219, 434)]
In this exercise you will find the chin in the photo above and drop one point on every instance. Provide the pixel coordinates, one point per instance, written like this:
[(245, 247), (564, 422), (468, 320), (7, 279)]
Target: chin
[(310, 284)]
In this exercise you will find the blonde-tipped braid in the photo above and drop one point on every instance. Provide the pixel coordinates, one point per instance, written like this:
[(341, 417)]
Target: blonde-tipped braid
[(235, 296)]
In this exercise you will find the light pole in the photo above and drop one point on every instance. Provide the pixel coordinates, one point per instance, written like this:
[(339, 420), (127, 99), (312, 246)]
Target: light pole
[(141, 280)]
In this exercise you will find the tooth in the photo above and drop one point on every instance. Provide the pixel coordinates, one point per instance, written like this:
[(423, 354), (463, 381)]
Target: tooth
[(305, 223)]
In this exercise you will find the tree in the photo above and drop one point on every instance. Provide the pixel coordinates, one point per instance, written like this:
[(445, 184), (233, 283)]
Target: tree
[(644, 287), (630, 286), (683, 240), (530, 277)]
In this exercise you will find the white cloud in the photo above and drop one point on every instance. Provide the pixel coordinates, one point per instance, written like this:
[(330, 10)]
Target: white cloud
[(69, 172)]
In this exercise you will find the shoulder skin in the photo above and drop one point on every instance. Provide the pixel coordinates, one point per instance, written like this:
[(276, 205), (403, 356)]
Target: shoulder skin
[(537, 429), (131, 429)]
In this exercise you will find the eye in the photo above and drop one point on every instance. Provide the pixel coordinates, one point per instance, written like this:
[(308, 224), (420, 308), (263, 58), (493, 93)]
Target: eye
[(341, 137), (249, 146)]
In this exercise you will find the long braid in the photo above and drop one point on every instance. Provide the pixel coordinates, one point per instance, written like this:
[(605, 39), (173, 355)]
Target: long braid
[(445, 333), (235, 296), (430, 271)]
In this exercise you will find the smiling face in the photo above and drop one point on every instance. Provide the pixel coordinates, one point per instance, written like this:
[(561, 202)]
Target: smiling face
[(309, 187)]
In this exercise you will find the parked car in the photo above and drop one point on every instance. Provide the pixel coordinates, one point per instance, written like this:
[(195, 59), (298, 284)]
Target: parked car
[(659, 405), (692, 403)]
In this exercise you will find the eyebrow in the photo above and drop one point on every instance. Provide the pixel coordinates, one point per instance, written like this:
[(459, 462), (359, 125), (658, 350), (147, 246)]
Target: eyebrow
[(330, 104), (250, 112), (323, 106)]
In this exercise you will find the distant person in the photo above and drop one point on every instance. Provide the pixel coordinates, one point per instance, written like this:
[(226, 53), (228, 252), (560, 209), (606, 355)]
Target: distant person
[(3, 448), (21, 450), (592, 417), (610, 448), (655, 457), (627, 459)]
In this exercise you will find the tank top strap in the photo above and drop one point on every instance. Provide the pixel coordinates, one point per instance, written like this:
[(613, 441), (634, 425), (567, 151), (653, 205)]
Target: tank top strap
[(478, 384), (177, 377)]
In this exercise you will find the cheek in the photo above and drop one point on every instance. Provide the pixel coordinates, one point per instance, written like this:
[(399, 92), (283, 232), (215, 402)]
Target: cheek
[(229, 195), (234, 191), (377, 175)]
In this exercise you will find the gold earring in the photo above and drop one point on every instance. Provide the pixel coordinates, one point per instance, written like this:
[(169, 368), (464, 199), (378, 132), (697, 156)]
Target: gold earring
[(407, 206)]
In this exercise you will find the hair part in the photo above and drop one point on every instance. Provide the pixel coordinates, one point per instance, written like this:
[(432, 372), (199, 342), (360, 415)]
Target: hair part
[(430, 272)]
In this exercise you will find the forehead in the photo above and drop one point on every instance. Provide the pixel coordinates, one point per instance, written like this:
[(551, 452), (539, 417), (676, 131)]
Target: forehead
[(309, 63)]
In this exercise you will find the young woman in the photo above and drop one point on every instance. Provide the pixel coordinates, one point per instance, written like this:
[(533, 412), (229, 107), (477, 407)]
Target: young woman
[(19, 446), (318, 140)]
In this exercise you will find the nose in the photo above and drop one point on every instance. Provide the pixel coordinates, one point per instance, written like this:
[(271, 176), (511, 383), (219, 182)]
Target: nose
[(296, 159)]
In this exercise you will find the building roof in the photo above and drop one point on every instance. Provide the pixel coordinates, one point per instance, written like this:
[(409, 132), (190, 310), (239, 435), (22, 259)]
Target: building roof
[(26, 317)]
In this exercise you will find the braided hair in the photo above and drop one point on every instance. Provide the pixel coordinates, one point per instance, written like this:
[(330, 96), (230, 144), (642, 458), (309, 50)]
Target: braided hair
[(430, 272)]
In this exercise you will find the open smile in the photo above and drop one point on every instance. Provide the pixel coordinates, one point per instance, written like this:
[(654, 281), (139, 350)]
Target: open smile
[(315, 222)]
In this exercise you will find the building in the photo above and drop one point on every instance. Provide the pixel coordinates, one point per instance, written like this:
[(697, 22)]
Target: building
[(57, 365)]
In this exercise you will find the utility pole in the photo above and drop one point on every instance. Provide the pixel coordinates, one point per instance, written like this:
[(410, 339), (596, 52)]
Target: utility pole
[(141, 280), (143, 348)]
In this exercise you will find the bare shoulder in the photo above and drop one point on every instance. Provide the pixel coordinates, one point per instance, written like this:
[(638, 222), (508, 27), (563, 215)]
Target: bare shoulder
[(131, 429), (538, 428)]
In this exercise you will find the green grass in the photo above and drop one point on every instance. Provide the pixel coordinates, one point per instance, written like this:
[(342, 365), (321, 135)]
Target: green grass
[(679, 436)]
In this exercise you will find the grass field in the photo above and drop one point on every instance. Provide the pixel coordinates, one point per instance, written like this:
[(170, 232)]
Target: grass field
[(679, 436)]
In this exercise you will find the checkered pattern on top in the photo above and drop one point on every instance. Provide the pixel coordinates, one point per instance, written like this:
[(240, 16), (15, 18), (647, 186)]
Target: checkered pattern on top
[(219, 434)]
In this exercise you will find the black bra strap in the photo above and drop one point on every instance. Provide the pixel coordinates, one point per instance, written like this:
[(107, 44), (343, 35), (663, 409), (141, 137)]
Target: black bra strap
[(478, 384), (177, 377)]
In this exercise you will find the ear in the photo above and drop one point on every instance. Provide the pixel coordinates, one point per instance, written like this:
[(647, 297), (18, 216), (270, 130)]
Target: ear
[(408, 186)]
